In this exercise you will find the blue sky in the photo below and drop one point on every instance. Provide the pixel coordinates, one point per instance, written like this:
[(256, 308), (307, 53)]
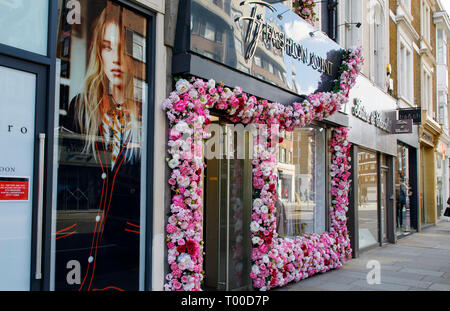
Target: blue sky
[(446, 4)]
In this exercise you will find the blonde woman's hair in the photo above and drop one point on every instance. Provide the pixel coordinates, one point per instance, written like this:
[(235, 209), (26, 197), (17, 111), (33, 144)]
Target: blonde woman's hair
[(88, 110)]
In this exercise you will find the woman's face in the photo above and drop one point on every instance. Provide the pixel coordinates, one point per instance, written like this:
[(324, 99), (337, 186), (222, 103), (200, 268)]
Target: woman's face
[(111, 54)]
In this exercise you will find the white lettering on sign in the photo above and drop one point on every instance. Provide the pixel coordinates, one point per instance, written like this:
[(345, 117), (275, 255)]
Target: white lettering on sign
[(74, 15)]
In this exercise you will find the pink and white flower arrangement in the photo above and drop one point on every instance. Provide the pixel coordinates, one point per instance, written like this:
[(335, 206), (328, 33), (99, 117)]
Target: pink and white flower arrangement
[(276, 261), (305, 9)]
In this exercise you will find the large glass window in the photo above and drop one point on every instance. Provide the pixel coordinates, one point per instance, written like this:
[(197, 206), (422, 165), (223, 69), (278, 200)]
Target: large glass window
[(24, 24), (99, 204), (301, 183), (367, 198), (402, 190)]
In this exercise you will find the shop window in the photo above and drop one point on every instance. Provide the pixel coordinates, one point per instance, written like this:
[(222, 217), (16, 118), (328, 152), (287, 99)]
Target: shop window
[(426, 21), (257, 61), (219, 36), (209, 32), (24, 25), (367, 198), (238, 45), (301, 189), (98, 197), (441, 48), (135, 45), (406, 78), (139, 88), (402, 190)]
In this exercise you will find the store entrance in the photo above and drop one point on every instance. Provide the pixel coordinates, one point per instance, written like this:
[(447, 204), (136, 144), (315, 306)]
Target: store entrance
[(227, 214), (22, 167)]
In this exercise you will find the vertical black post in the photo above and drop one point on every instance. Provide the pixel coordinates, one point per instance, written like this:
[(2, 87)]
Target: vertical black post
[(352, 214), (391, 202), (49, 154), (379, 218), (413, 183)]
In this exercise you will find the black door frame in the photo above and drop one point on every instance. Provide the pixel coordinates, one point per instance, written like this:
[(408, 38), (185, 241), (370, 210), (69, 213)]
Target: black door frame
[(44, 66)]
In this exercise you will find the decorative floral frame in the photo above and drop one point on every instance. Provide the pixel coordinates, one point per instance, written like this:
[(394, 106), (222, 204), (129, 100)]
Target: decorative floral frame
[(276, 261)]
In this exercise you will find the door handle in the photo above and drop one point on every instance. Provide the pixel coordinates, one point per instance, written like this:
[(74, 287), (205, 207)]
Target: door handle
[(38, 274)]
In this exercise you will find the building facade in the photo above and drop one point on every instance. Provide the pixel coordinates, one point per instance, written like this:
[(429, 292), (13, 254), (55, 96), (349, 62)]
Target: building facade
[(86, 194), (78, 105), (418, 28)]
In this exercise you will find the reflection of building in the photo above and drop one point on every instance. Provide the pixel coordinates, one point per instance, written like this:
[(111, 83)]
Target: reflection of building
[(225, 31), (367, 176), (301, 180), (75, 37), (211, 30)]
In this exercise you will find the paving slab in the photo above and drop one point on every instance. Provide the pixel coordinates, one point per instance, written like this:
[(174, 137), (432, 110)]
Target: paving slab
[(440, 286), (418, 262), (422, 272)]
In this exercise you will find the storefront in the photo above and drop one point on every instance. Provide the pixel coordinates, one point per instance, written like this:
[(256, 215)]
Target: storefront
[(253, 216), (372, 212), (429, 134), (442, 173), (78, 93)]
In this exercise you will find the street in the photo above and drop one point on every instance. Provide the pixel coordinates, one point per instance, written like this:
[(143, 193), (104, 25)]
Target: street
[(419, 262)]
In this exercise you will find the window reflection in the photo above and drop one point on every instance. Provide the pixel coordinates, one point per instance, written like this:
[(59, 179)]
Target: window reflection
[(301, 182), (103, 87), (367, 198)]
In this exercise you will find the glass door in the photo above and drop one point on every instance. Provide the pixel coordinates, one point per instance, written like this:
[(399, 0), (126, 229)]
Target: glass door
[(228, 206), (22, 137)]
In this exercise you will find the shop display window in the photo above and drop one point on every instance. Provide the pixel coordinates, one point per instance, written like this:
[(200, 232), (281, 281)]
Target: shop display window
[(402, 190), (99, 200), (301, 182), (367, 198)]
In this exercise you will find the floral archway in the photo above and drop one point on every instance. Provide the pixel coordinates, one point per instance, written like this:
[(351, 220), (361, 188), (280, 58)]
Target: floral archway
[(276, 261)]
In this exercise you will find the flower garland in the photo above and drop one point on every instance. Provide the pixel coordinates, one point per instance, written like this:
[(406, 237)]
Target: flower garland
[(275, 261), (278, 261), (305, 9)]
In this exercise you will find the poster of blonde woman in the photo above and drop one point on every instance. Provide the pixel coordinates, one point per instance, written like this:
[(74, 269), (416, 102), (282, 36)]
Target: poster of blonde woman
[(102, 93)]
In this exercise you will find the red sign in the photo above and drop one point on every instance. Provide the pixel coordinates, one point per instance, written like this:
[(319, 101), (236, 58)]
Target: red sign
[(14, 189)]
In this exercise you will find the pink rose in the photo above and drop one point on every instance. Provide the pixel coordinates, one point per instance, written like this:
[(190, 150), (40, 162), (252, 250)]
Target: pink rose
[(180, 106)]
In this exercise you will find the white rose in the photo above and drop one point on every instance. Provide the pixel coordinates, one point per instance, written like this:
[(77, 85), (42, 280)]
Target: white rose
[(257, 203), (255, 269), (183, 181), (193, 93), (256, 240), (173, 163), (254, 226), (182, 127), (264, 209), (182, 86), (227, 92), (211, 83), (265, 259), (266, 171)]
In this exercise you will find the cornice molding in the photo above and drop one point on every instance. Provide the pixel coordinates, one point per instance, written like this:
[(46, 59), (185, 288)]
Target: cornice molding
[(403, 22)]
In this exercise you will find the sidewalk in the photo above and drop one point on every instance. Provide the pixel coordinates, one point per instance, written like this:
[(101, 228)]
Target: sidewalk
[(417, 262)]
